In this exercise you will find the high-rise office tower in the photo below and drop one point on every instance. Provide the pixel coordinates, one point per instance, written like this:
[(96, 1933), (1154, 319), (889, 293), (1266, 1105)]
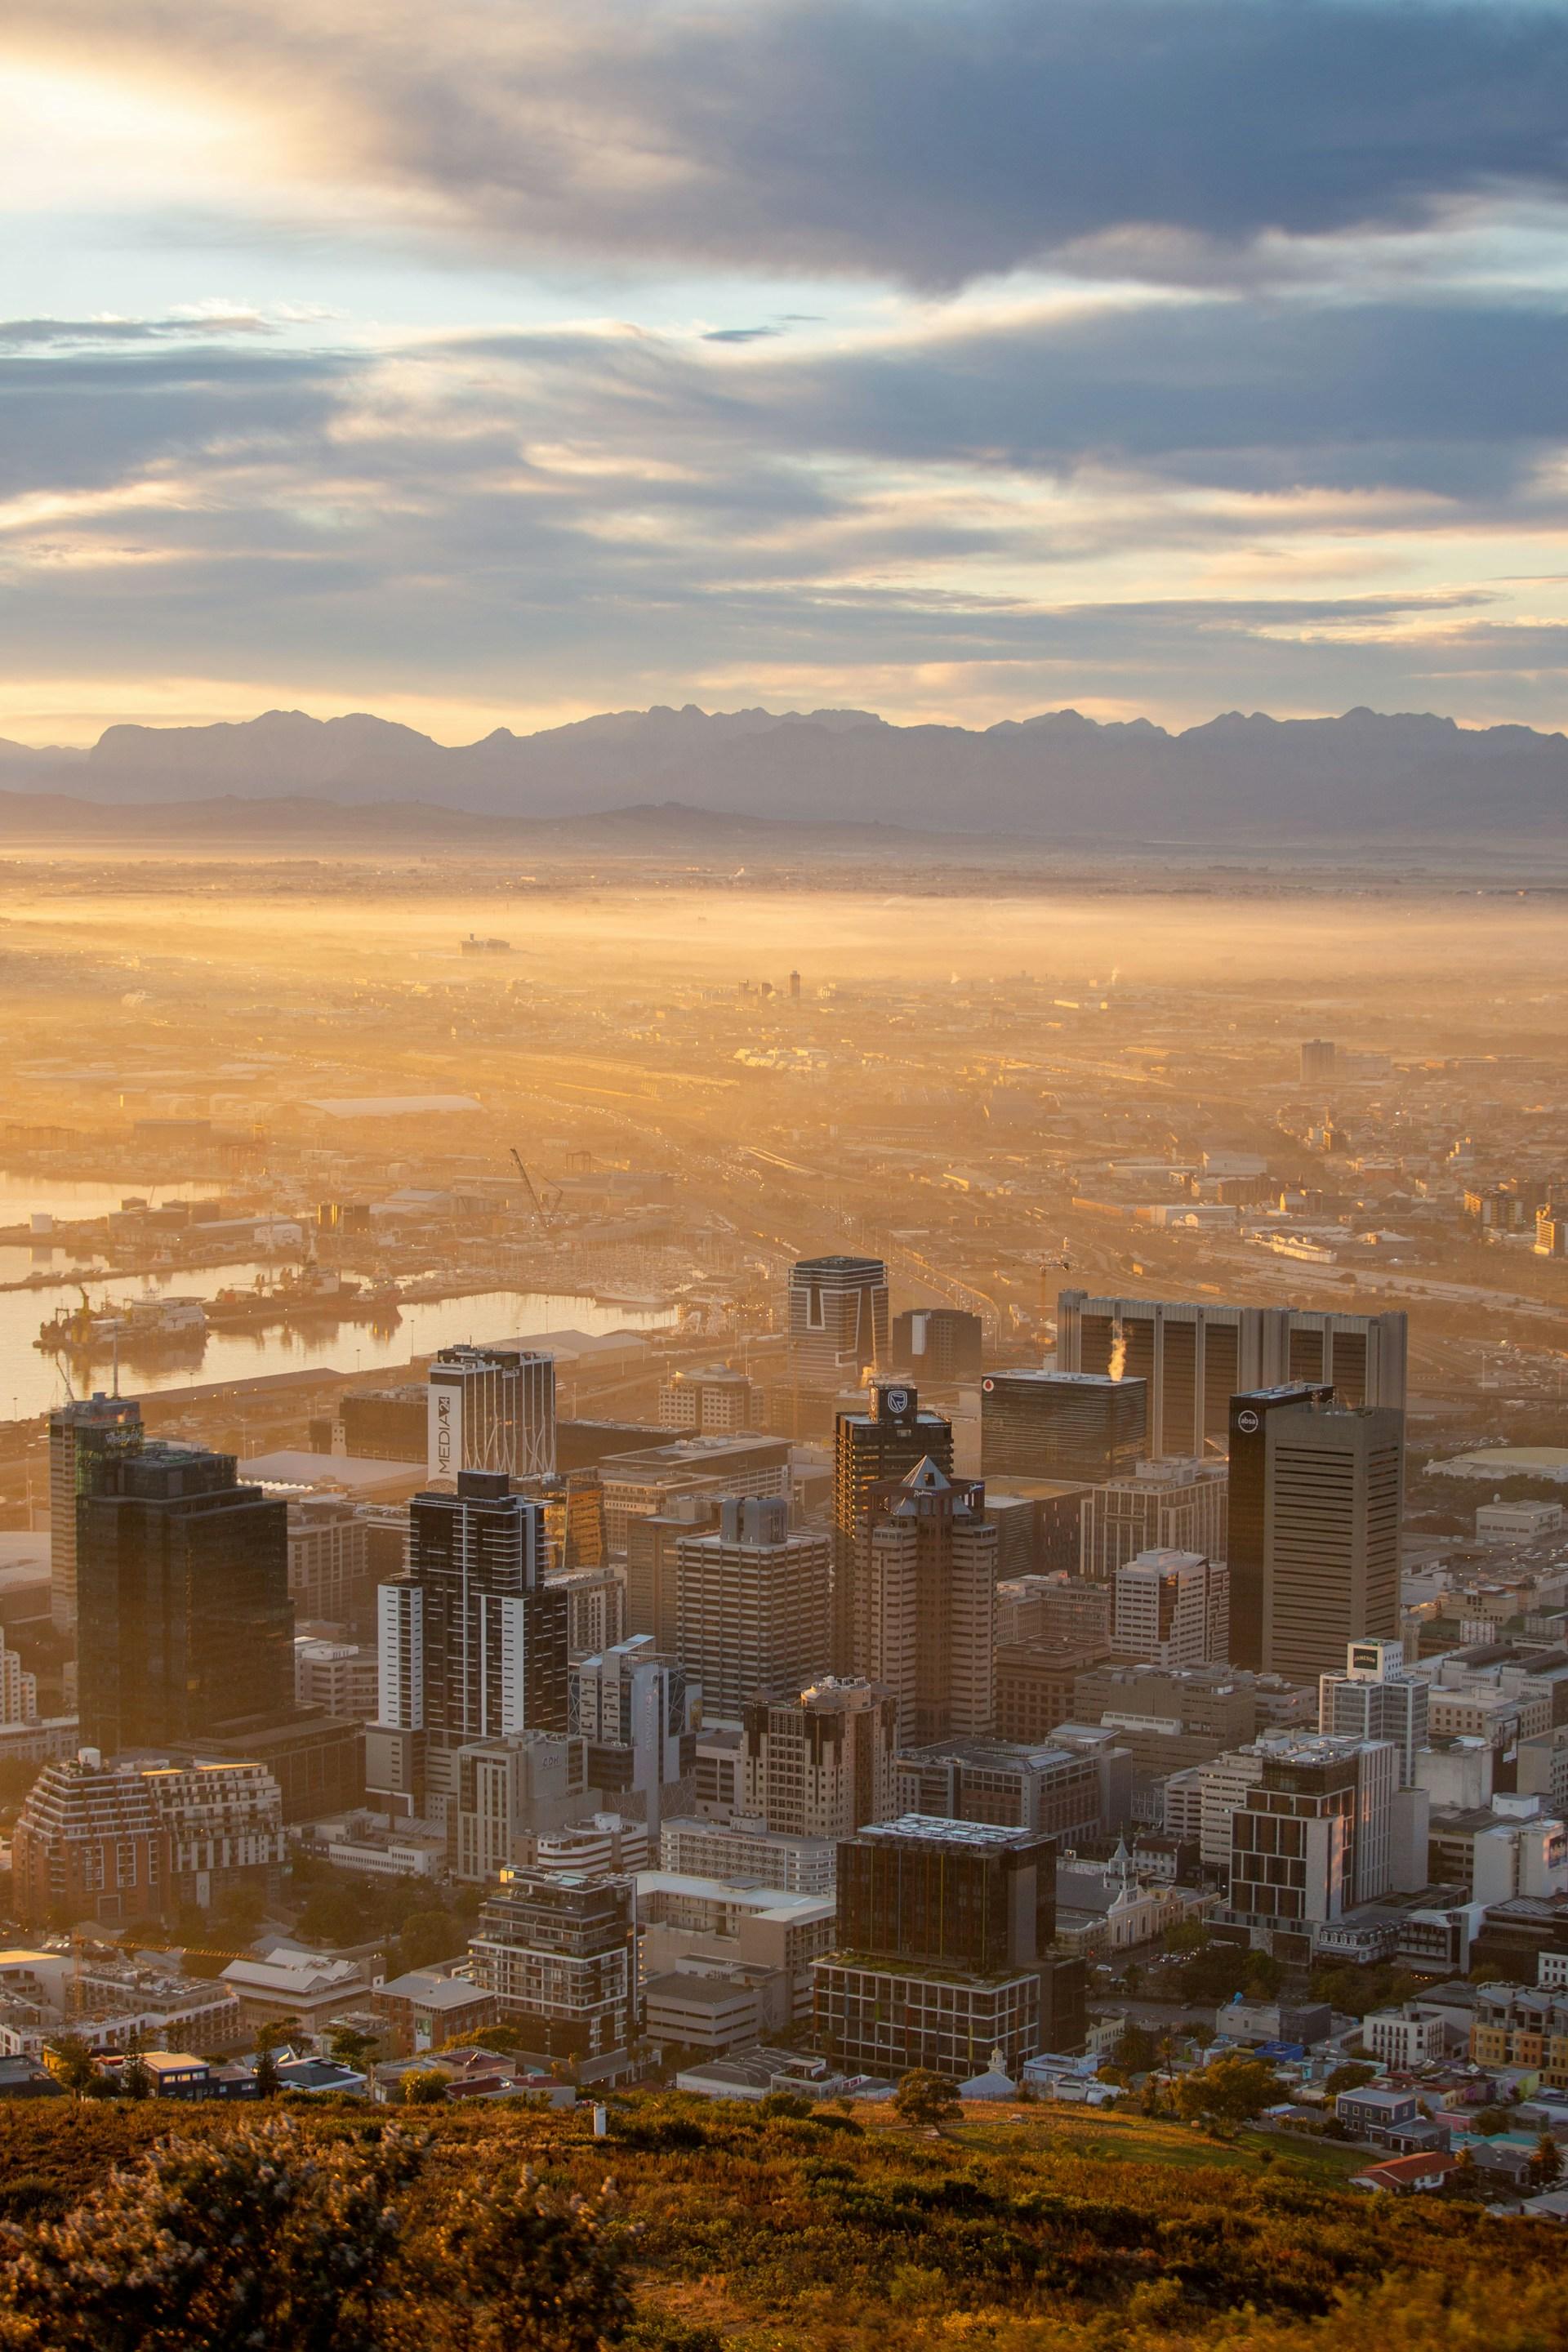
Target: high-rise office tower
[(1373, 1697), (887, 1439), (1314, 1836), (753, 1610), (640, 1714), (1163, 1506), (1316, 1497), (491, 1409), (821, 1764), (1197, 1358), (944, 1937), (923, 1603), (1246, 1507), (489, 1630), (653, 1546), (1172, 1609), (837, 1322), (1318, 1058), (937, 1344), (1086, 1425), (183, 1620), (78, 1433)]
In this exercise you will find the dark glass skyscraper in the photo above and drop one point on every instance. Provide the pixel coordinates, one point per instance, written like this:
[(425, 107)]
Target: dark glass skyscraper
[(892, 1437), (183, 1616), (1246, 1525), (1062, 1425), (1315, 1513)]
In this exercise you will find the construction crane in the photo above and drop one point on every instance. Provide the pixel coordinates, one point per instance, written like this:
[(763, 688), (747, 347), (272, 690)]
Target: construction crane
[(539, 1209)]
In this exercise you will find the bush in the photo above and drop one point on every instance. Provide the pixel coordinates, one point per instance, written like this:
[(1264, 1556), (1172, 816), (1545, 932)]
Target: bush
[(427, 2087)]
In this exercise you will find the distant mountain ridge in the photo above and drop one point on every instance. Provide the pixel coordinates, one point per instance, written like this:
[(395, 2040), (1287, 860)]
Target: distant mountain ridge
[(1361, 775)]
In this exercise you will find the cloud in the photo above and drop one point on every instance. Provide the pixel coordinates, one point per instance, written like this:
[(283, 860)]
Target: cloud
[(928, 142)]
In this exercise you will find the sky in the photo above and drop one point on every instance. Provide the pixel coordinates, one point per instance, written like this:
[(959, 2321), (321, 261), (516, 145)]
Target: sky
[(498, 361)]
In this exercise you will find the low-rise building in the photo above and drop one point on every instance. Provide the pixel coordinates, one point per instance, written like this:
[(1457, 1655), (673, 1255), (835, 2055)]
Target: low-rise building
[(291, 1986), (745, 1853), (1402, 2042)]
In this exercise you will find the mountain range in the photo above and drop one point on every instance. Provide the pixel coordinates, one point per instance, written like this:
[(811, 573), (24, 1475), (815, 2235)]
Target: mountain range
[(1363, 775)]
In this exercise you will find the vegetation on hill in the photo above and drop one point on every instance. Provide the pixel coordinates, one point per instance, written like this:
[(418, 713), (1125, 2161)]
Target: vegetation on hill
[(1029, 2230)]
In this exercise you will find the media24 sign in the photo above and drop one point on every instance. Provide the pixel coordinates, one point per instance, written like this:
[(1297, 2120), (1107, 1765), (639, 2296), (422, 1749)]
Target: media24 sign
[(445, 1455)]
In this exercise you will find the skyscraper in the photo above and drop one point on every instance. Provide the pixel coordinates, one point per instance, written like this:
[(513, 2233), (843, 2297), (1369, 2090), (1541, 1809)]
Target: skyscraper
[(183, 1616), (491, 1409), (884, 1441), (923, 1602), (488, 1631), (1313, 1837), (820, 1765), (1086, 1425), (1174, 1505), (1246, 1507), (559, 1950), (1197, 1358), (837, 1322), (1328, 1573), (754, 1609), (79, 1432)]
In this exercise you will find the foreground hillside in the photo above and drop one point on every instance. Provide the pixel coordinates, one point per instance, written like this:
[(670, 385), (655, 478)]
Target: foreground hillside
[(1026, 2230)]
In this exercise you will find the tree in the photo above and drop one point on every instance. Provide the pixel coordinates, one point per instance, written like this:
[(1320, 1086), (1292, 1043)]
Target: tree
[(265, 2074), (505, 2040), (69, 2060), (923, 2097), (352, 2048), (1263, 1974), (1464, 2178), (1235, 2088), (1349, 2077), (425, 2086), (1546, 2164), (135, 2081), (429, 1935), (276, 2033), (1137, 2049), (1492, 2119)]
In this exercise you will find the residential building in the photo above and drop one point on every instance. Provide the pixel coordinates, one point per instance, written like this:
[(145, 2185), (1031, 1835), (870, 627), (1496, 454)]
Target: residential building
[(1373, 1698), (79, 1431), (753, 1604), (1064, 1425), (559, 1952), (604, 1841), (1314, 1838), (483, 1651), (1197, 1358), (837, 1322), (1225, 1784), (943, 1953), (922, 1601), (492, 1409), (1160, 1506), (18, 1691), (117, 1842), (183, 1620), (425, 2009), (1374, 2113), (1404, 2043), (820, 1765), (1173, 1608)]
